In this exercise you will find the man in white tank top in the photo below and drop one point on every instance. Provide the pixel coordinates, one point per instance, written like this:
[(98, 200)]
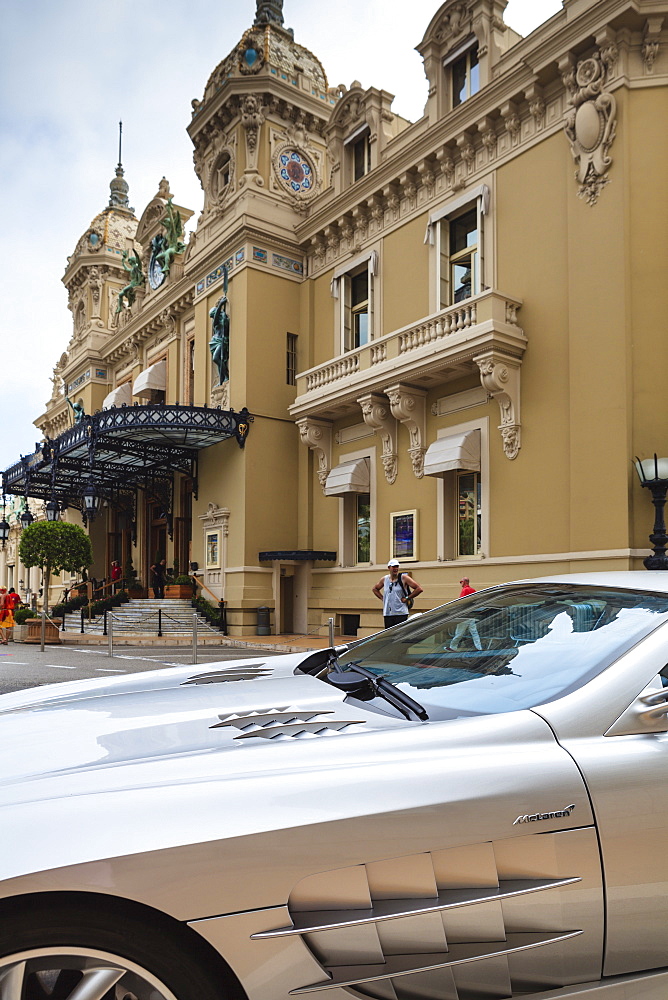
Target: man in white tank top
[(394, 590)]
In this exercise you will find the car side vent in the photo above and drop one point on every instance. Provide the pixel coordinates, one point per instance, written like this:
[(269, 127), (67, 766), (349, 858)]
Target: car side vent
[(282, 723), (230, 674)]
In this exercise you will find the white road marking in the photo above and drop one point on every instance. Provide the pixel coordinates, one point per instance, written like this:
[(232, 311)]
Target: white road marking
[(109, 670), (60, 666), (15, 663)]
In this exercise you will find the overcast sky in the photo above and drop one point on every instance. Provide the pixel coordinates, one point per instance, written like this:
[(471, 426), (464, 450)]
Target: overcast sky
[(72, 68)]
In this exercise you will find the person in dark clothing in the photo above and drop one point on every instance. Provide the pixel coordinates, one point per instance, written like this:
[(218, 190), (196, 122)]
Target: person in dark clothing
[(158, 577)]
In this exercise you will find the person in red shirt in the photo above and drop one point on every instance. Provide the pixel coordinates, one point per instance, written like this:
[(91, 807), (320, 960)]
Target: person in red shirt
[(466, 587), (116, 574), (13, 599)]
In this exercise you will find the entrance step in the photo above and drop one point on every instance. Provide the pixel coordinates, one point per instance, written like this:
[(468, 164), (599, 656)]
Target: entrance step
[(140, 617)]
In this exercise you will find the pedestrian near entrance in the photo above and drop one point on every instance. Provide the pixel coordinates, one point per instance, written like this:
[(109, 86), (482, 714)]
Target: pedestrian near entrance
[(466, 587), (395, 590), (6, 616), (116, 574), (158, 577)]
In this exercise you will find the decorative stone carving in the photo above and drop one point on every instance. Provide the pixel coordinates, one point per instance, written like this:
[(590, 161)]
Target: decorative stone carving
[(317, 435), (452, 23), (512, 121), (252, 118), (250, 53), (376, 413), (500, 377), (95, 290), (408, 406), (590, 126), (220, 395), (651, 42)]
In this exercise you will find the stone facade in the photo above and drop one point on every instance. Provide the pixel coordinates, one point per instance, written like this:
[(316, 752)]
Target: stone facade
[(471, 306)]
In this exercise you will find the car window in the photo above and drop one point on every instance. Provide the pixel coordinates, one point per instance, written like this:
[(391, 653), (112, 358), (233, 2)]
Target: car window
[(511, 647)]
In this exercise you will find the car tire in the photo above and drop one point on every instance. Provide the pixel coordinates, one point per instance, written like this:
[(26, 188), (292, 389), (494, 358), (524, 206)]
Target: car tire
[(47, 948)]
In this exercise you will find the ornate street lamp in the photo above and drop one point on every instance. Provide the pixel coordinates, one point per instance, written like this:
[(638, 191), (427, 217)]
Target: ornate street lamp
[(4, 526), (52, 510), (653, 473), (26, 518), (91, 501)]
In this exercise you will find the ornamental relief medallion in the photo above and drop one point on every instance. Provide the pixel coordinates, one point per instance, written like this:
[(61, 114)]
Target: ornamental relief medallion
[(294, 170), (590, 126)]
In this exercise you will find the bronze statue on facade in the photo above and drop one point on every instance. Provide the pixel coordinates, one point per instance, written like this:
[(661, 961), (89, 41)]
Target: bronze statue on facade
[(174, 228), (77, 410), (219, 345), (132, 265)]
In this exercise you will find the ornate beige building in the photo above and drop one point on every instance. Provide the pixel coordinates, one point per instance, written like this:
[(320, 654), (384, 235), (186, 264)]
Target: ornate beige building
[(446, 333)]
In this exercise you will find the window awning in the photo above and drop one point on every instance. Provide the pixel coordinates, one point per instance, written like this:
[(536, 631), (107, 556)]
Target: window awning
[(120, 396), (349, 477), (458, 451), (152, 378)]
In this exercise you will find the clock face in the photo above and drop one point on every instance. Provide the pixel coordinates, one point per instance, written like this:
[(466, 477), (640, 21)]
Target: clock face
[(156, 276)]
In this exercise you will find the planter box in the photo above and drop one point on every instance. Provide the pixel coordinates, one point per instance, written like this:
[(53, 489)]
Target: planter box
[(136, 593), (180, 590), (33, 631), (19, 632)]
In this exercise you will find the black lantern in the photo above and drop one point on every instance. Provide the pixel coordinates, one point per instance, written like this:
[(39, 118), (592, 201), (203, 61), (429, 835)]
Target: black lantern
[(653, 473), (90, 500), (4, 531), (26, 518), (52, 510)]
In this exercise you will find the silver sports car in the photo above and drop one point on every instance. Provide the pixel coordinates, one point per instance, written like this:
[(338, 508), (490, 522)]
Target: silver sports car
[(471, 805)]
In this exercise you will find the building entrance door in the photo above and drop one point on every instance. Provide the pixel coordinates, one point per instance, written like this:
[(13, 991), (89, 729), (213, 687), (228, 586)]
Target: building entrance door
[(157, 538), (287, 605)]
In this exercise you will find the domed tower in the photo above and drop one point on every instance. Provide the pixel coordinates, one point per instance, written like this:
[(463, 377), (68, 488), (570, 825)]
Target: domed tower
[(258, 131), (99, 268)]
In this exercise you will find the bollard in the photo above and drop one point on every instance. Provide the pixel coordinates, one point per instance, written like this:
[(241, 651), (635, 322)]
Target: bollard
[(104, 630), (159, 621), (110, 634), (82, 621), (43, 632), (331, 631), (194, 638), (222, 607)]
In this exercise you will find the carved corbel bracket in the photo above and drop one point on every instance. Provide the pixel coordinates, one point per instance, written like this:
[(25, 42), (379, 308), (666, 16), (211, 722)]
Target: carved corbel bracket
[(409, 407), (500, 376), (376, 413), (651, 40), (317, 434)]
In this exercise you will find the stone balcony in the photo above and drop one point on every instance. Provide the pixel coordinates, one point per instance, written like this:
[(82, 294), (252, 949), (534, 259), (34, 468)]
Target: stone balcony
[(479, 335)]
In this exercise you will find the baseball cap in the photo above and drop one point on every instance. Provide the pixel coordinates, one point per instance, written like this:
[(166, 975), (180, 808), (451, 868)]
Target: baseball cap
[(394, 562)]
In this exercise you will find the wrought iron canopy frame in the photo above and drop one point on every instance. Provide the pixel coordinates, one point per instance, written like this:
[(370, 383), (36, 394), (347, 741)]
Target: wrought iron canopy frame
[(124, 449)]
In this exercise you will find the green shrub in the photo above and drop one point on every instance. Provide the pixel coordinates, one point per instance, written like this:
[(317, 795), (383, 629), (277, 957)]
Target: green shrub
[(183, 580), (207, 610), (21, 615)]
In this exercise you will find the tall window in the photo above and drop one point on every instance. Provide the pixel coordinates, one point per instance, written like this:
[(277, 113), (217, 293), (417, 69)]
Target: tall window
[(291, 359), (190, 371), (356, 308), (465, 76), (363, 526), (460, 258), (469, 514), (361, 156)]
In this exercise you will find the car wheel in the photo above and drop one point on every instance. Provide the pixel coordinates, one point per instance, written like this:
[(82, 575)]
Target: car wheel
[(106, 953)]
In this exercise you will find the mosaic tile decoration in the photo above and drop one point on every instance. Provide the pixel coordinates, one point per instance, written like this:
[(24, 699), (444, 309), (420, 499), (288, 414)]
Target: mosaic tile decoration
[(79, 381), (217, 273), (295, 170), (100, 373), (287, 263), (261, 255)]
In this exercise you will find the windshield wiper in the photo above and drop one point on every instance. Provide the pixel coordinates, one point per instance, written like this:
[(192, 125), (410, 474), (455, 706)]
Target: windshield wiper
[(363, 684)]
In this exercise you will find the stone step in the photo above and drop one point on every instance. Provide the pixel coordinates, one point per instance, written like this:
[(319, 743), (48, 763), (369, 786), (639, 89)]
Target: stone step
[(140, 617)]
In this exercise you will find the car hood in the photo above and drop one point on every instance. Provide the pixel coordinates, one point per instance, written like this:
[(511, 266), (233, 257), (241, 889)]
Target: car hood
[(229, 708)]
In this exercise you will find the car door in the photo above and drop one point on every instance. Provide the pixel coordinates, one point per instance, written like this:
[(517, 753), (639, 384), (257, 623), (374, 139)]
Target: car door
[(616, 730)]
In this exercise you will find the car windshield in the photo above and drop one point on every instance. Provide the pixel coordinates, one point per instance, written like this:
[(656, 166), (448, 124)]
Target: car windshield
[(509, 648)]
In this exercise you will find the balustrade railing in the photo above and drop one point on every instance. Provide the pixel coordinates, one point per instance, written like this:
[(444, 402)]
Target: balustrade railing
[(456, 319)]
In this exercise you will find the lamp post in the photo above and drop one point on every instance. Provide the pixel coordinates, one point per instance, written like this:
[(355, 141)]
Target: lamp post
[(653, 473), (4, 526)]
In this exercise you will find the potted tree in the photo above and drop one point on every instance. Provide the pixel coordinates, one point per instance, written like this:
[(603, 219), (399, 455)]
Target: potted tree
[(54, 546), (182, 587)]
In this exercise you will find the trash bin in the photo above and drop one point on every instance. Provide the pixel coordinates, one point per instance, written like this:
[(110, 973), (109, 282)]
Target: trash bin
[(263, 627)]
